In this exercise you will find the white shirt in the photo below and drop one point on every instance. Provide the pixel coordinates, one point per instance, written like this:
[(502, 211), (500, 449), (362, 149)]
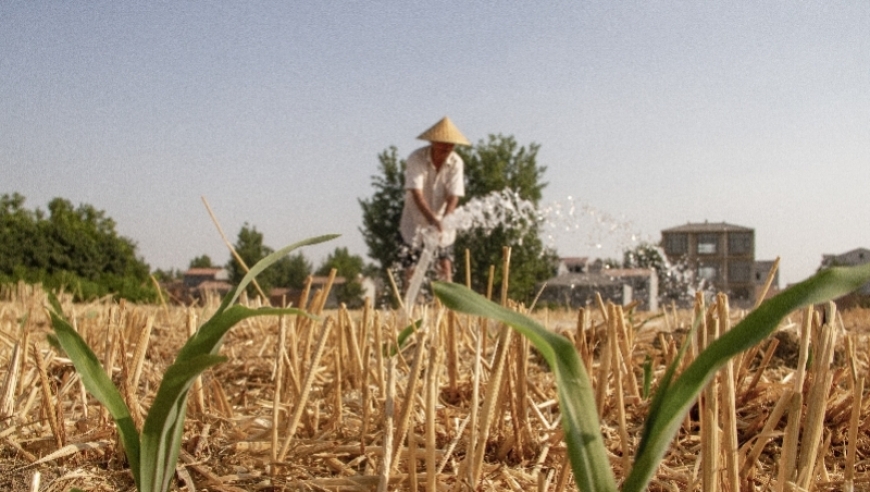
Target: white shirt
[(437, 186)]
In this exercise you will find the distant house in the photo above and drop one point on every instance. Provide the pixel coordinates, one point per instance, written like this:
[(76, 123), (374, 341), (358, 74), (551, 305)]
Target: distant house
[(760, 271), (201, 282), (578, 281), (855, 257), (281, 296), (370, 288), (572, 265), (720, 253)]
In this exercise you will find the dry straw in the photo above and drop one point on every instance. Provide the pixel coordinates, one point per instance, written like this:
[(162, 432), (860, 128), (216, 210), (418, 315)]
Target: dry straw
[(336, 377)]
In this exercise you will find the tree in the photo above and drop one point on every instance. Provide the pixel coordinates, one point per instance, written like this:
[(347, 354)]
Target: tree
[(494, 165), (250, 248), (76, 248), (383, 211), (291, 271), (167, 275), (350, 267), (203, 261), (21, 247)]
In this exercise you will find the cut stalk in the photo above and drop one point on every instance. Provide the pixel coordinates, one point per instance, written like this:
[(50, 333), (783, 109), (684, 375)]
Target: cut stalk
[(389, 416), (47, 400), (306, 389), (410, 394), (852, 449), (816, 402), (618, 390), (710, 417), (730, 444)]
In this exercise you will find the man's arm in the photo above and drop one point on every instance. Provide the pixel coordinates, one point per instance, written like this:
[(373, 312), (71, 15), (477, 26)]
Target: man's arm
[(427, 212), (450, 205)]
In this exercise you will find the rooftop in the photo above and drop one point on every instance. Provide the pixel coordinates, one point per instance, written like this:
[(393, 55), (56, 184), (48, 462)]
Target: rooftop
[(708, 227)]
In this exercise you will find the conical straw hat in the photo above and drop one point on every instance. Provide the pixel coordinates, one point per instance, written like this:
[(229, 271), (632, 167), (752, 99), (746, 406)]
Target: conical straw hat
[(444, 131)]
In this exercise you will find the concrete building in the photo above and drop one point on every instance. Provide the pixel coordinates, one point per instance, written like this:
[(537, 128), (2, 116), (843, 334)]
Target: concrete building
[(855, 257), (721, 254), (578, 281)]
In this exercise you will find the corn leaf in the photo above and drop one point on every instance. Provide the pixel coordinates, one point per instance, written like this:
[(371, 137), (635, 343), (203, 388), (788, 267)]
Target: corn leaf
[(576, 400), (164, 426), (154, 454), (98, 383), (267, 262), (677, 398), (161, 434)]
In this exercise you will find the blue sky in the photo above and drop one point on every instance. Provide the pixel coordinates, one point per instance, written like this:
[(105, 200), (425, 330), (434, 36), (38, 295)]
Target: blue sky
[(650, 114)]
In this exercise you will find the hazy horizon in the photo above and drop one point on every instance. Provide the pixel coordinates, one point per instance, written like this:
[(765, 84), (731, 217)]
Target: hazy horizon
[(649, 115)]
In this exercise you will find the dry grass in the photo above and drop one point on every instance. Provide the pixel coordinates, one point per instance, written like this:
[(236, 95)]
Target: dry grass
[(319, 405)]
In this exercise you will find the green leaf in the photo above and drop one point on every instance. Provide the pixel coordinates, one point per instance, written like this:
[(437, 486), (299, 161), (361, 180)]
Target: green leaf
[(99, 384), (269, 260), (678, 397), (402, 338), (153, 459), (164, 426), (577, 402), (647, 376)]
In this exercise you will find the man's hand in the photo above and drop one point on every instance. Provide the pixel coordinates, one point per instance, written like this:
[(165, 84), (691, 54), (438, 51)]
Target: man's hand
[(427, 212)]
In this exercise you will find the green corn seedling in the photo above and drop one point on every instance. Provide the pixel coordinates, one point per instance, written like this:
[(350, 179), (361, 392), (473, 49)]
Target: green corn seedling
[(673, 397), (153, 454)]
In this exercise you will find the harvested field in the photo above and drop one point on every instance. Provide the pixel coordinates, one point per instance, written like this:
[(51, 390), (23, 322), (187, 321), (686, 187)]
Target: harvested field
[(321, 404)]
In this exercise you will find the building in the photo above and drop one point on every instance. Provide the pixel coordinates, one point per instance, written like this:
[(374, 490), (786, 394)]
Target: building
[(578, 281), (575, 264), (720, 254), (855, 257), (282, 296), (203, 282), (761, 269), (198, 284)]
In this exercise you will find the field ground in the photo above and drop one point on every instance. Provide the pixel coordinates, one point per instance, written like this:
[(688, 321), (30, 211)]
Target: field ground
[(321, 404)]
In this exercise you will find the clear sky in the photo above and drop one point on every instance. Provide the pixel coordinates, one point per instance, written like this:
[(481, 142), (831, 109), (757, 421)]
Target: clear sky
[(650, 114)]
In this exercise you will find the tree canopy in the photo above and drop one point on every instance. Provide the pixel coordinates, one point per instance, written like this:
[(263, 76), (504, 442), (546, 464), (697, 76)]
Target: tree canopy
[(350, 267), (289, 271), (383, 211), (203, 261), (497, 164), (76, 248)]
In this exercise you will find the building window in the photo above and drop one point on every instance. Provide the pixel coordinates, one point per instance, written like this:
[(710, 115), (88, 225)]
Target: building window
[(676, 244), (708, 244), (740, 243), (707, 272), (739, 271), (740, 294)]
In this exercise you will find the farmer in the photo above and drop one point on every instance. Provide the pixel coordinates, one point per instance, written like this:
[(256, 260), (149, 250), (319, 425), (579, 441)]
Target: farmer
[(434, 182)]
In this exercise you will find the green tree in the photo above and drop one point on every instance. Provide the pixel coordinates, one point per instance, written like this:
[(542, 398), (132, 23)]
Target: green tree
[(350, 267), (203, 261), (291, 271), (76, 248), (21, 247), (493, 165), (250, 248), (498, 164), (167, 275), (383, 211)]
